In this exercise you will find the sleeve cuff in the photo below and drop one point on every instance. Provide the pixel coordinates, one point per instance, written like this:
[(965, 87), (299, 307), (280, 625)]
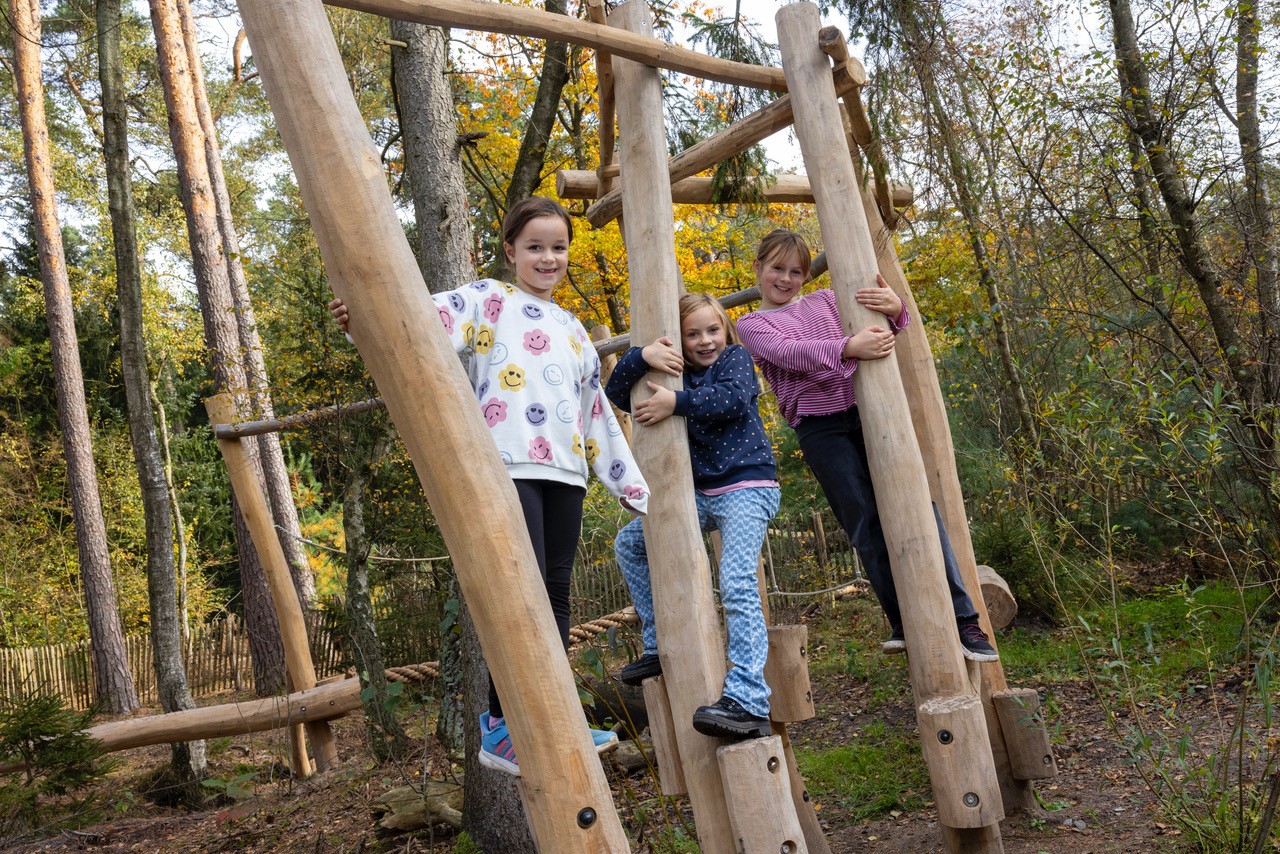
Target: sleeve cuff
[(682, 402)]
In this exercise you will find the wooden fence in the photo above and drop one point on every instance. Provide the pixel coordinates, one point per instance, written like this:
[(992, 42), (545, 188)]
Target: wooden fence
[(803, 556), (216, 657)]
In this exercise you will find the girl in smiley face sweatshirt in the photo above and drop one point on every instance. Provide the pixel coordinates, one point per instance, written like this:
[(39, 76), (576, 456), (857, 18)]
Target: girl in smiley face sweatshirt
[(537, 379)]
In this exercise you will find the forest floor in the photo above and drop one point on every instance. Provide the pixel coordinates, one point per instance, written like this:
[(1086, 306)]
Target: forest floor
[(860, 755)]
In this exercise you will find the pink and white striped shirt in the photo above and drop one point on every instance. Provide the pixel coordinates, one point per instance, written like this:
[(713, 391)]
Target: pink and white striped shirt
[(800, 350)]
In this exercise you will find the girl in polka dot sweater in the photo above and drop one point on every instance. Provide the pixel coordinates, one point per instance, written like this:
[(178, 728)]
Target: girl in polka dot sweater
[(737, 493)]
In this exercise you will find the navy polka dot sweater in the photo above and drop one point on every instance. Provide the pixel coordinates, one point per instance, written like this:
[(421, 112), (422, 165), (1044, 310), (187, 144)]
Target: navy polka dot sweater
[(727, 442)]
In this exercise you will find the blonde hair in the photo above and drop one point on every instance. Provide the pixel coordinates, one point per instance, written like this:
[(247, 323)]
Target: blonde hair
[(781, 243), (689, 303)]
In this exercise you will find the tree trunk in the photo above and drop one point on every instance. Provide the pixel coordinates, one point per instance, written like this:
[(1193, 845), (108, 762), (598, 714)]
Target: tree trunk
[(527, 174), (270, 454), (962, 184), (187, 762), (1193, 253), (1260, 238), (492, 812), (1247, 383), (175, 509), (386, 736), (113, 683), (450, 725), (429, 134), (222, 337), (1148, 233)]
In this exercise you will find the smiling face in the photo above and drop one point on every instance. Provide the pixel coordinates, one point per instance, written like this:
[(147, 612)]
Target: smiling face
[(539, 255), (780, 277), (702, 337)]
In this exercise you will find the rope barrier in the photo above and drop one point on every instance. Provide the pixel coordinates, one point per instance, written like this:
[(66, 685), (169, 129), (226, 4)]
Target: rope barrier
[(592, 629), (577, 635)]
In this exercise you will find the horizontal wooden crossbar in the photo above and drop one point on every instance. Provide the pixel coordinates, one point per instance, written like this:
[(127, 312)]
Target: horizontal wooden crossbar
[(535, 23)]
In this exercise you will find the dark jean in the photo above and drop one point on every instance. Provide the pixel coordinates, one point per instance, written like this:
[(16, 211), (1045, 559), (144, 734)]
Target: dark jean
[(836, 453), (553, 514)]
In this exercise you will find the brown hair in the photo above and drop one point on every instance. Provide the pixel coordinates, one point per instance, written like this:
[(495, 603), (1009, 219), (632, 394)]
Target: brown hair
[(689, 303), (534, 207), (781, 243)]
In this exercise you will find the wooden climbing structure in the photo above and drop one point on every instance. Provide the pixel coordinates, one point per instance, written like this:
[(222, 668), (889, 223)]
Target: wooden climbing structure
[(982, 741)]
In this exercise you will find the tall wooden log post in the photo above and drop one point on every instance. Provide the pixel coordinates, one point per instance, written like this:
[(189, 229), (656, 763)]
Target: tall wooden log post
[(814, 839), (953, 730), (693, 663), (371, 267), (248, 490), (933, 434)]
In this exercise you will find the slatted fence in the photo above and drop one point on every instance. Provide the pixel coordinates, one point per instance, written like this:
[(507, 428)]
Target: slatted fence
[(802, 555)]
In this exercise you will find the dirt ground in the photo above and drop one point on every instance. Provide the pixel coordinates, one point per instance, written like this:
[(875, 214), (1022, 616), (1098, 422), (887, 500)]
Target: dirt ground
[(1096, 804)]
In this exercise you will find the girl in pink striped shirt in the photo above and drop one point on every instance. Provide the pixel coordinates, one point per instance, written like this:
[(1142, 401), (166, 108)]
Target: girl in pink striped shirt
[(803, 352)]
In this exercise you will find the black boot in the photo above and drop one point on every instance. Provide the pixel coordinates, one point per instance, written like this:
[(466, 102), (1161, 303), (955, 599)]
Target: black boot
[(727, 719), (645, 667)]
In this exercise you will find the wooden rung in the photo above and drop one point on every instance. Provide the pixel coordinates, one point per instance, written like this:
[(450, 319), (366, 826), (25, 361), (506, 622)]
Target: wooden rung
[(1026, 738), (758, 791), (662, 729), (967, 796), (787, 674)]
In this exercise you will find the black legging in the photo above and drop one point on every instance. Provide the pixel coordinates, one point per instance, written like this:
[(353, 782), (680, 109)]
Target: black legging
[(834, 448), (553, 515)]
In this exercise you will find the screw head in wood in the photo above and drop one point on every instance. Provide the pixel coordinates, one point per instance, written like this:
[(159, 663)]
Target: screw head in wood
[(787, 847), (945, 736), (970, 799), (772, 764), (586, 817)]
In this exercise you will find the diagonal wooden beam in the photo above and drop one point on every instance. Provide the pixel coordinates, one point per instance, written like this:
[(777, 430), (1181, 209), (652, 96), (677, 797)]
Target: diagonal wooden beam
[(371, 267), (736, 138), (523, 21)]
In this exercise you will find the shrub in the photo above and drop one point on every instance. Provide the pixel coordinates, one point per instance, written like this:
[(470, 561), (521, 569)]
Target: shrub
[(55, 758)]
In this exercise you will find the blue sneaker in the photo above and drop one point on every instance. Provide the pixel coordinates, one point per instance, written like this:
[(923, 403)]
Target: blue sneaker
[(496, 750), (604, 740)]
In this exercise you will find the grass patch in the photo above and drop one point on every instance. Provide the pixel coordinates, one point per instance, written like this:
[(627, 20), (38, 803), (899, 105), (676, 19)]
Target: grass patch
[(1157, 640), (881, 769), (1034, 655)]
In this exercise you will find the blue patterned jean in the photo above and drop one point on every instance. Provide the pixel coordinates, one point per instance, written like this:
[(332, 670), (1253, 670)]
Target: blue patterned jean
[(742, 517)]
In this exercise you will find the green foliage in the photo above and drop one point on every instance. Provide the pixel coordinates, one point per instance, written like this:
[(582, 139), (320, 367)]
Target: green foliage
[(236, 787), (57, 762), (465, 845), (1215, 645), (1005, 544), (674, 840)]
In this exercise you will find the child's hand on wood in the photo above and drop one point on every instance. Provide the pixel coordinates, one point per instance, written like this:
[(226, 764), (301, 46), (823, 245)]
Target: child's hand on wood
[(339, 311), (663, 356), (656, 408), (880, 298), (874, 342)]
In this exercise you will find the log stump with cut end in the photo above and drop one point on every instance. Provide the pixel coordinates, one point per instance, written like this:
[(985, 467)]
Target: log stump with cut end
[(1001, 606)]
